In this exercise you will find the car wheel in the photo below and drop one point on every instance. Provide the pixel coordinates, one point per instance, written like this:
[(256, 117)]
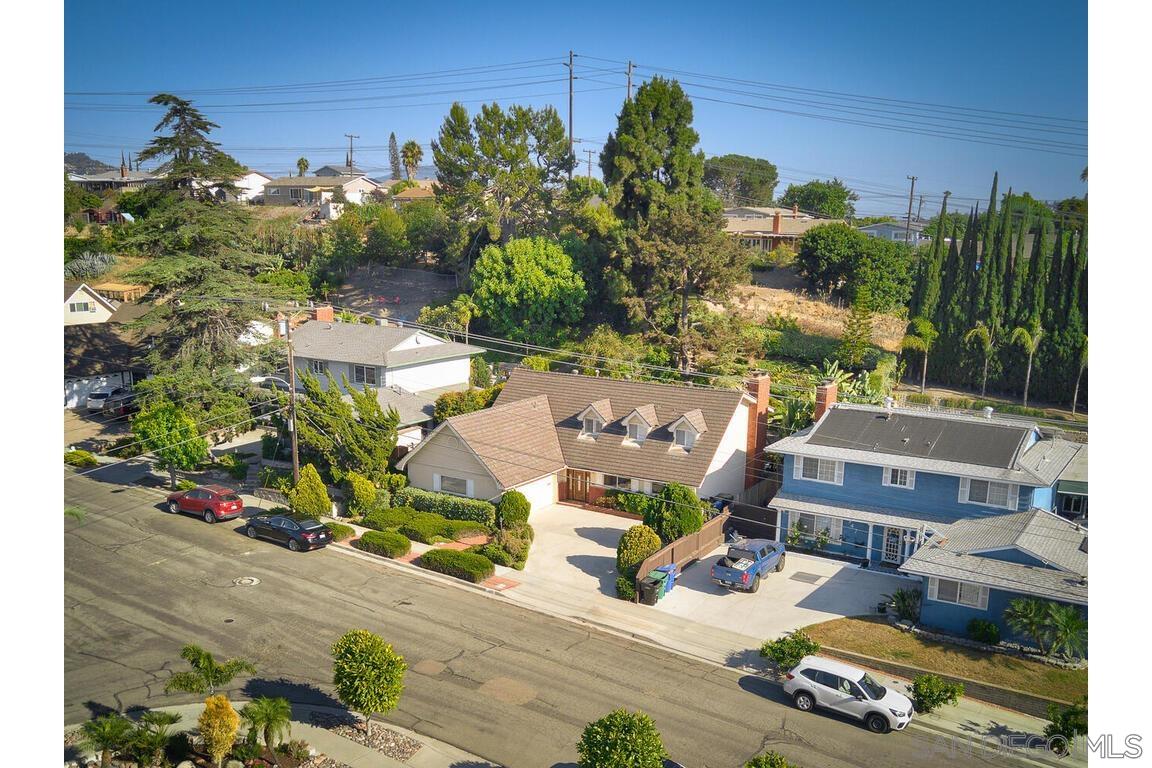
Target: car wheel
[(209, 517), (804, 701), (780, 564), (294, 545), (251, 532), (755, 584), (173, 507), (876, 723)]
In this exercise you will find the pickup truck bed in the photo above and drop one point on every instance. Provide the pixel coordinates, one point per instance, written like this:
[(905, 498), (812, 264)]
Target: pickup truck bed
[(745, 563)]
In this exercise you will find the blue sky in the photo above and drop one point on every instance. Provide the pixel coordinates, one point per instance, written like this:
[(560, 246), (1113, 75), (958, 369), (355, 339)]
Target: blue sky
[(1026, 58)]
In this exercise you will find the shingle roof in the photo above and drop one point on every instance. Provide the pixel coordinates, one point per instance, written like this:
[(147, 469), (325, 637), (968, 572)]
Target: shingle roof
[(647, 412), (696, 419), (1038, 533), (313, 181), (765, 226), (341, 170), (514, 440), (865, 513), (95, 349), (370, 344), (411, 408), (1074, 478), (70, 287), (1048, 459), (570, 394)]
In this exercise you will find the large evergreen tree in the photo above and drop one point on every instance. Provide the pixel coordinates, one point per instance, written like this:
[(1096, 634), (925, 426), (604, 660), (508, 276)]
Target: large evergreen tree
[(394, 157)]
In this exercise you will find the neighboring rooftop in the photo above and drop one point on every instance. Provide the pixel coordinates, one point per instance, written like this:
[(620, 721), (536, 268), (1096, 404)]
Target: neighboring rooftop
[(372, 344), (309, 182), (788, 226), (339, 170), (1074, 478)]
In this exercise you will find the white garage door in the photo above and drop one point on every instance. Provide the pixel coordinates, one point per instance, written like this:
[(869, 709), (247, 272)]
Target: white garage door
[(540, 493)]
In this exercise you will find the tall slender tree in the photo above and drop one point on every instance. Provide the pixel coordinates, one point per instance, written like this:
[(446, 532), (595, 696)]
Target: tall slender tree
[(984, 338), (302, 166), (394, 156), (411, 154), (196, 164), (1029, 339), (920, 337), (1082, 360)]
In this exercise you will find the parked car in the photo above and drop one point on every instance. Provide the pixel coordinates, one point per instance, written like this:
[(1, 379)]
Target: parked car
[(298, 535), (819, 682), (746, 562), (212, 502), (108, 397)]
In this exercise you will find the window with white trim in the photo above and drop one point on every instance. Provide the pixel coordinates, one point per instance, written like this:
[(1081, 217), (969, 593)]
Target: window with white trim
[(900, 478), (364, 374), (318, 366), (1072, 505), (591, 426), (813, 524), (618, 482), (958, 593), (656, 488), (457, 486), (684, 437), (819, 470), (296, 193), (273, 191), (81, 306), (637, 432), (989, 493)]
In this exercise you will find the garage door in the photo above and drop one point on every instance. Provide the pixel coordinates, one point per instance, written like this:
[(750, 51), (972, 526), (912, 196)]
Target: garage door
[(540, 493)]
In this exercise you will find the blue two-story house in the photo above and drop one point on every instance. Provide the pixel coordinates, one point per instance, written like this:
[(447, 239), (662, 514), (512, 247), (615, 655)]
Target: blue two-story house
[(878, 482)]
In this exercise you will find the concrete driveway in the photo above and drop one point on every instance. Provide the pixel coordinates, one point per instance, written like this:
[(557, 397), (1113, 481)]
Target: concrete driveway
[(574, 549), (809, 590)]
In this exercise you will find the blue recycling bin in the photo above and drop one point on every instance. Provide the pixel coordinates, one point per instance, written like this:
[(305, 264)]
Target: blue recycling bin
[(671, 580)]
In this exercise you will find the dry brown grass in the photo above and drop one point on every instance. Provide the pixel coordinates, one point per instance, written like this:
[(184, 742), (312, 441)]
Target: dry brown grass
[(874, 636)]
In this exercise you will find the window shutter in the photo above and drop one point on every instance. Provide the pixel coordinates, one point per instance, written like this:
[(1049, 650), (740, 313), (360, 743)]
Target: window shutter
[(963, 490), (839, 473), (468, 489), (932, 584), (797, 467), (1013, 497), (436, 483), (983, 599), (886, 476), (911, 479)]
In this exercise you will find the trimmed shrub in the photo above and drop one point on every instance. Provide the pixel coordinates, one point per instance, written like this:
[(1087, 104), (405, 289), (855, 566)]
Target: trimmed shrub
[(621, 739), (446, 505), (424, 527), (341, 532), (393, 482), (626, 587), (80, 459), (127, 447), (962, 403), (676, 512), (387, 519), (513, 509), (386, 543), (235, 466), (361, 493), (786, 652), (468, 566), (310, 496), (496, 554), (984, 631), (919, 399), (769, 760), (270, 447), (930, 692), (638, 543), (458, 529), (635, 503), (185, 485)]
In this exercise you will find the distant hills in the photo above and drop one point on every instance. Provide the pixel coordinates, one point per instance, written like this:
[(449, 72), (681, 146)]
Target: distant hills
[(79, 162)]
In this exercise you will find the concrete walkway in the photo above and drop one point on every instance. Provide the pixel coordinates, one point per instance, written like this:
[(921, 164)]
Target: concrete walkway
[(432, 753)]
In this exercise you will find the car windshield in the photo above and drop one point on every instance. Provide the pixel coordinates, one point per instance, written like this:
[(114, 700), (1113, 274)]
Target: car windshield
[(229, 497), (735, 553), (874, 689), (98, 395)]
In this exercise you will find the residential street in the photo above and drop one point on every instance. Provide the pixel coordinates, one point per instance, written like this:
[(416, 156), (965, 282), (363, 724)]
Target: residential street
[(503, 682)]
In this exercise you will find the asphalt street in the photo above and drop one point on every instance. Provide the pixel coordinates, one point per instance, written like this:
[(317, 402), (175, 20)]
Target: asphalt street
[(511, 685)]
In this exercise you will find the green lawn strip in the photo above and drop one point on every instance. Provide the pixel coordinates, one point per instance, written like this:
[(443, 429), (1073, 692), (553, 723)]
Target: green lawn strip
[(874, 636)]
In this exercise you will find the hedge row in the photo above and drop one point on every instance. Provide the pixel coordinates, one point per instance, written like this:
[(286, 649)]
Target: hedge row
[(386, 543), (80, 459), (340, 532), (388, 519), (509, 547), (446, 505), (468, 566)]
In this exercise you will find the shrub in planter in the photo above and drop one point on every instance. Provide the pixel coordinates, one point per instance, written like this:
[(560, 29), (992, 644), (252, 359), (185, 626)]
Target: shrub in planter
[(386, 543), (458, 529), (915, 398), (984, 631), (361, 493), (127, 447), (930, 692), (468, 566), (386, 519), (235, 466), (513, 509), (786, 652), (80, 459), (495, 553), (637, 544), (447, 505), (297, 749), (341, 532), (424, 527), (626, 587)]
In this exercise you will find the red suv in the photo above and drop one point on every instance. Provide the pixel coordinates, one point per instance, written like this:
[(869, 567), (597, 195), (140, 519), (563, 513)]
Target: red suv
[(212, 502)]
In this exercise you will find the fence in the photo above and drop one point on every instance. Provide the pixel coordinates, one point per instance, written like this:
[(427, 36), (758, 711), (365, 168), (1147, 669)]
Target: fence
[(686, 549)]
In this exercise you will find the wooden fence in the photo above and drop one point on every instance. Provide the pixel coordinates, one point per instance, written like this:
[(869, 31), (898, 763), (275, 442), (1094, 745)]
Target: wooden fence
[(686, 549)]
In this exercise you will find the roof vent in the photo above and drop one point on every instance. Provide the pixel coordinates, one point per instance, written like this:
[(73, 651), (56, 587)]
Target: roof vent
[(987, 411)]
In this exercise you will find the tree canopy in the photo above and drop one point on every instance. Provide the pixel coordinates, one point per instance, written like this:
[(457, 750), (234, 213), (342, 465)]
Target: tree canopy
[(740, 180), (831, 198), (367, 674), (838, 257)]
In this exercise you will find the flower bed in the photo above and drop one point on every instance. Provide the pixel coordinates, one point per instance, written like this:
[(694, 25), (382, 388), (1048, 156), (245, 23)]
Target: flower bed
[(385, 740)]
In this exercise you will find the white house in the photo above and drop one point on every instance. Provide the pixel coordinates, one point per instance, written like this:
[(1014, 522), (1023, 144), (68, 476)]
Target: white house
[(896, 231), (84, 306), (314, 190), (101, 347), (559, 436)]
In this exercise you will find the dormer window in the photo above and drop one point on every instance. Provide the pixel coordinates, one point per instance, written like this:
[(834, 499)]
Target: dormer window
[(685, 437), (686, 429), (639, 422), (594, 417), (592, 427), (637, 432)]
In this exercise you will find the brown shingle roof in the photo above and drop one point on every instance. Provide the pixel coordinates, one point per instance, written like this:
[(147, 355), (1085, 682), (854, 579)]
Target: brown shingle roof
[(646, 412), (515, 441), (570, 394)]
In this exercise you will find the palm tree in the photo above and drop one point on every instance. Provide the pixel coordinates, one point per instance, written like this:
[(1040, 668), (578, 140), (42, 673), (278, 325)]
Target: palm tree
[(1082, 357), (302, 165), (984, 338), (1029, 338), (107, 735), (207, 674), (1084, 175), (271, 717), (1069, 630), (920, 337), (1029, 616), (411, 154)]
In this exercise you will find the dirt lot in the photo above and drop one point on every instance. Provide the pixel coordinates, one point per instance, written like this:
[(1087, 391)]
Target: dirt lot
[(782, 292), (394, 292)]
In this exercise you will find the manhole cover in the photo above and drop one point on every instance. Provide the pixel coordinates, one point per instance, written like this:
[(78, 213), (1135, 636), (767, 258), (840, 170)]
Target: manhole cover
[(245, 581), (807, 578)]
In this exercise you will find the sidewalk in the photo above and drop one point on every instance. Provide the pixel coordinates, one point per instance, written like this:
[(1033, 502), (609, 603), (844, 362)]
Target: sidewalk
[(432, 753)]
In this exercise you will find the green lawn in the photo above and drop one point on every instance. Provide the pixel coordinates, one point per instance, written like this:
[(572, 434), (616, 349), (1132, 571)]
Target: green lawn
[(874, 636)]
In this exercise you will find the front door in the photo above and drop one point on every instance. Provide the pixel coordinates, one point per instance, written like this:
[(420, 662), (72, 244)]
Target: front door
[(893, 541), (578, 483)]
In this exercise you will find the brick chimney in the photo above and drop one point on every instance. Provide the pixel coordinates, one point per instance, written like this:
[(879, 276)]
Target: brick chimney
[(825, 397), (758, 388), (776, 222), (324, 314)]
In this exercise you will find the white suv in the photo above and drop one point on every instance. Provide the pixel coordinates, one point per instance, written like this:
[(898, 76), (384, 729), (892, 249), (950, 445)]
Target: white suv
[(819, 682)]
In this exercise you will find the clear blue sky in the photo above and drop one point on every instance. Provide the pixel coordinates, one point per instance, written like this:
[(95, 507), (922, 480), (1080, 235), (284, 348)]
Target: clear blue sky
[(1022, 57)]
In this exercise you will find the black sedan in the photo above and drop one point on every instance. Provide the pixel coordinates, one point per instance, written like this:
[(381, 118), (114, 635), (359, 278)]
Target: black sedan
[(299, 535)]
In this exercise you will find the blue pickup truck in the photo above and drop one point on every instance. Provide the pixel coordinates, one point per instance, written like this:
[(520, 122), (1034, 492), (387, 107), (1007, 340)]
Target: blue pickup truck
[(746, 562)]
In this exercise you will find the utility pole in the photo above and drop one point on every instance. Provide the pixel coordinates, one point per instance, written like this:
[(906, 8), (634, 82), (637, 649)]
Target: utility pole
[(919, 207), (589, 153), (629, 80), (571, 80), (292, 401), (908, 224), (350, 137)]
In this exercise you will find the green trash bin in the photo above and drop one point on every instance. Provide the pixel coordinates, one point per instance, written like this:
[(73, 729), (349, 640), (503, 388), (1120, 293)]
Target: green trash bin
[(662, 578)]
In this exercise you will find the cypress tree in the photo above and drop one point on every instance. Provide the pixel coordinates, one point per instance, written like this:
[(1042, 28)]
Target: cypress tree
[(1032, 303), (394, 156), (930, 272)]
